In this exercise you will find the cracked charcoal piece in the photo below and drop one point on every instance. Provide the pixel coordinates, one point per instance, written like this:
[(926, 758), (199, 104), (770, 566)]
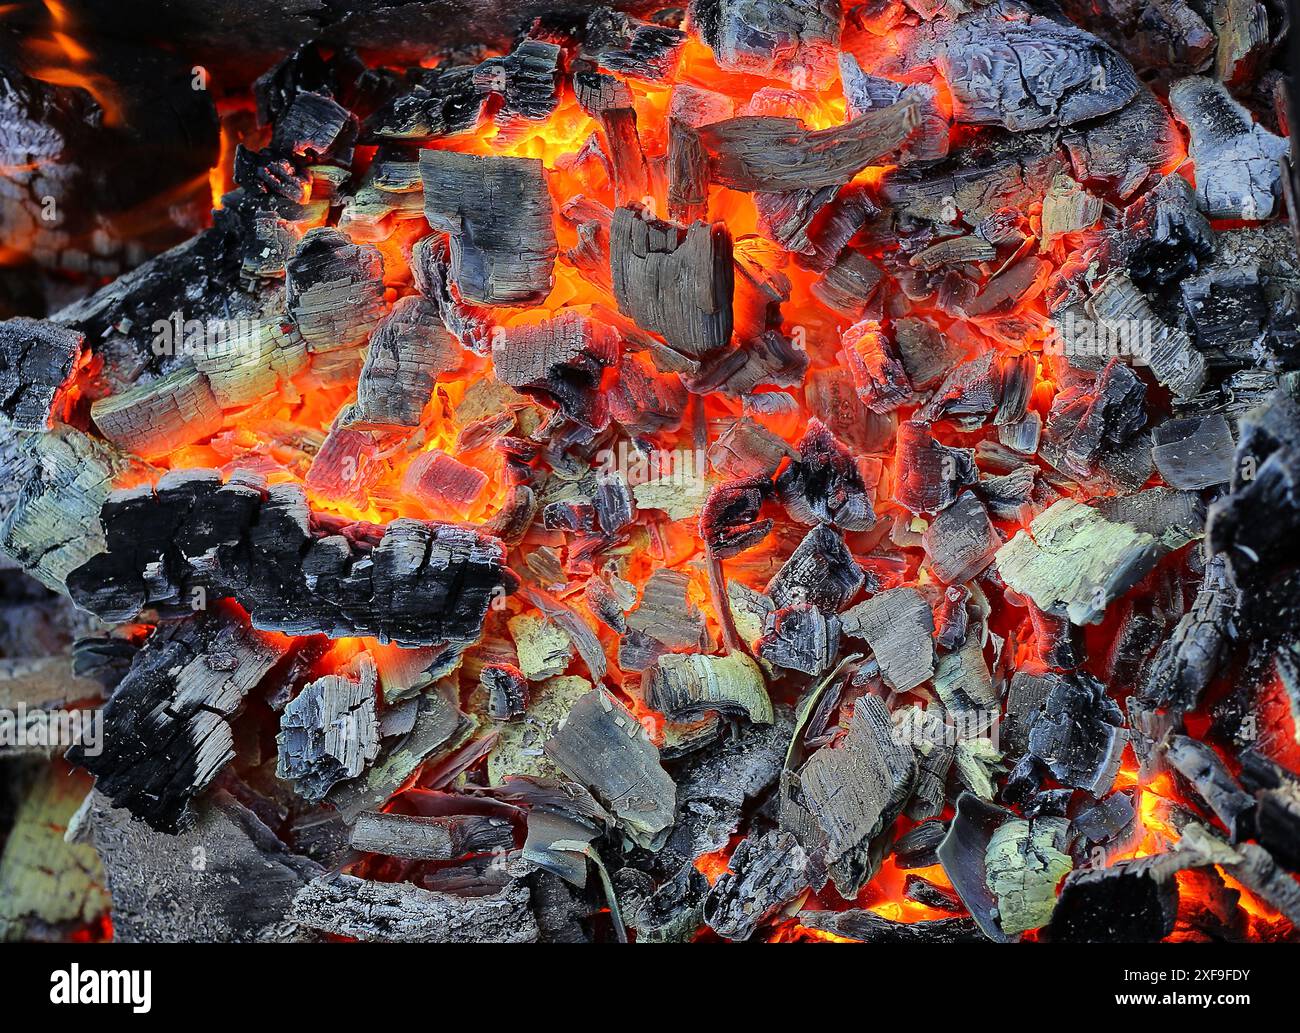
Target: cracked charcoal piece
[(765, 873), (685, 686), (777, 38), (603, 747), (898, 625), (628, 46), (820, 571), (560, 360), (880, 378), (1080, 734), (855, 789), (1132, 901), (167, 727), (930, 474), (430, 839), (398, 912), (1025, 862), (36, 363), (961, 542), (800, 637), (1238, 162), (824, 484), (869, 927), (497, 212), (417, 583), (334, 290), (527, 80), (675, 282), (329, 732), (1201, 766), (407, 353), (759, 153)]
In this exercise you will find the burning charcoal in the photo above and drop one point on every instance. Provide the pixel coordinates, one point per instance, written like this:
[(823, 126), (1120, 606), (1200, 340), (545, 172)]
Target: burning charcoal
[(561, 360), (898, 625), (1025, 864), (869, 927), (849, 285), (1024, 73), (241, 894), (714, 786), (867, 92), (1194, 453), (916, 847), (652, 259), (628, 46), (603, 747), (666, 616), (497, 212), (765, 873), (1011, 496), (963, 681), (613, 504), (1238, 162), (543, 647), (1080, 734), (825, 484), (444, 102), (857, 789), (930, 734), (962, 854), (1258, 871), (688, 173), (167, 727), (674, 912), (1074, 559), (507, 690), (961, 542), (334, 290), (1130, 902), (800, 637), (1244, 40), (1170, 237), (798, 38), (925, 353), (832, 398), (36, 364), (430, 839), (952, 617), (880, 378), (407, 353), (157, 418), (729, 522), (929, 475), (1082, 426), (1127, 147), (1203, 769), (315, 126), (329, 732), (820, 571), (685, 686), (527, 80), (417, 584), (757, 153), (51, 528), (398, 912), (438, 481), (1109, 821), (1026, 698), (1067, 208)]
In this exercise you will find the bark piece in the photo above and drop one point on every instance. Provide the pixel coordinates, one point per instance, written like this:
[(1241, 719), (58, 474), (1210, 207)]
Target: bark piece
[(1025, 865)]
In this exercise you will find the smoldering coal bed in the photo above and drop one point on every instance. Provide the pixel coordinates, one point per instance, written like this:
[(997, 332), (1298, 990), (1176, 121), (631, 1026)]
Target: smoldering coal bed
[(767, 470)]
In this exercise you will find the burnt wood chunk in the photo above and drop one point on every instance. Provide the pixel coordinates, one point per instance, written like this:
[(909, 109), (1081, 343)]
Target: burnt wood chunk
[(1238, 161), (777, 39), (800, 637), (167, 730), (1129, 902), (686, 686), (1073, 560), (334, 290), (820, 571), (628, 46), (1080, 734), (869, 927), (899, 626), (825, 485), (560, 360), (414, 583), (1189, 660), (329, 732), (961, 542), (156, 418), (527, 80), (765, 873), (929, 474), (1126, 148), (675, 282), (881, 380), (762, 153), (421, 838), (497, 212), (849, 284), (241, 893), (37, 360), (407, 352), (1085, 425), (1194, 453), (399, 912), (440, 482), (603, 747), (688, 173), (1213, 783), (865, 93), (857, 788)]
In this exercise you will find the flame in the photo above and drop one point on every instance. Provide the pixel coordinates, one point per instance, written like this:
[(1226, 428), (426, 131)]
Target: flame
[(67, 60)]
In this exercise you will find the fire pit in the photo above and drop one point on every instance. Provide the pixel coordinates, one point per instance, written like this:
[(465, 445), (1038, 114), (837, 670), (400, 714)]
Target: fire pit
[(765, 471)]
